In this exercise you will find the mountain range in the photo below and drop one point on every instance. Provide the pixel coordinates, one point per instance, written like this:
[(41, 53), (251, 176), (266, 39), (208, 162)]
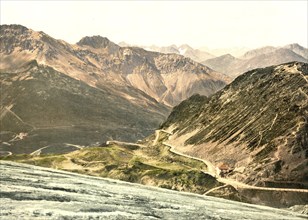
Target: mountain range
[(237, 60), (96, 60), (184, 49), (257, 58), (57, 94)]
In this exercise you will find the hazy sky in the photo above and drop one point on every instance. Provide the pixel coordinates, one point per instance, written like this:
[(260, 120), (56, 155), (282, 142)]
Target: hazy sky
[(215, 24)]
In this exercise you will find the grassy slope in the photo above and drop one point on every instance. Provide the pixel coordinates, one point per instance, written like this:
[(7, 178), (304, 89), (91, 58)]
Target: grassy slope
[(152, 165)]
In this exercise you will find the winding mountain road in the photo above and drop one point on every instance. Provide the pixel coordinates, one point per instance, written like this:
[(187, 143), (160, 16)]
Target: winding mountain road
[(6, 153), (39, 151), (212, 170), (124, 143)]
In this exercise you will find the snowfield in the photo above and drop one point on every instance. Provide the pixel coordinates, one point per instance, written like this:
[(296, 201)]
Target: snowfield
[(31, 192)]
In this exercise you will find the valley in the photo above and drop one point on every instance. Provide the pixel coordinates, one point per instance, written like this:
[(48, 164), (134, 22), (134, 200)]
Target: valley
[(143, 163), (33, 117), (92, 161), (107, 92)]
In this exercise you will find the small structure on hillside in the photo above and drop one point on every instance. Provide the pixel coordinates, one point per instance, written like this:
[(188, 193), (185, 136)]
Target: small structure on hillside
[(223, 169)]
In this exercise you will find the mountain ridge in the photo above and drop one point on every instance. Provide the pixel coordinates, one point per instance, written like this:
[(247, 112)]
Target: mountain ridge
[(111, 64), (258, 58), (262, 142), (184, 49)]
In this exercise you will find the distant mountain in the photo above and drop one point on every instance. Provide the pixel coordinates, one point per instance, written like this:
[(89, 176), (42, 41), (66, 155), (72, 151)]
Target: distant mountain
[(257, 52), (224, 63), (257, 58), (296, 48), (256, 127), (195, 54), (185, 50), (278, 56), (168, 49), (96, 60), (44, 108), (234, 51)]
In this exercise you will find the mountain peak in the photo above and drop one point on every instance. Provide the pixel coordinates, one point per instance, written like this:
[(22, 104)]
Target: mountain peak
[(95, 41), (185, 46), (13, 28), (259, 51), (227, 56), (294, 45)]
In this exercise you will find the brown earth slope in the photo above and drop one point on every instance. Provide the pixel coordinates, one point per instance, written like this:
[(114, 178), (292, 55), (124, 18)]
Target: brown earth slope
[(256, 127)]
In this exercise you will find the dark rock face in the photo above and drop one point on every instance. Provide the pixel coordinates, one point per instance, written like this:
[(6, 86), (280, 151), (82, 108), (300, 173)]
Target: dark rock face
[(9, 42), (30, 192), (95, 42), (257, 125), (41, 107)]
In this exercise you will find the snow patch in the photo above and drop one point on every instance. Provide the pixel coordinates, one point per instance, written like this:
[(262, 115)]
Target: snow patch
[(182, 51)]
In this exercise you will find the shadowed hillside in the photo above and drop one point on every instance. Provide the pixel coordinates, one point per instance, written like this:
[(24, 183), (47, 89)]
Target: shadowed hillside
[(41, 107)]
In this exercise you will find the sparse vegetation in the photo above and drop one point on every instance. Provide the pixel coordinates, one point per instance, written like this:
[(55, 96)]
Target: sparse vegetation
[(262, 114), (139, 165)]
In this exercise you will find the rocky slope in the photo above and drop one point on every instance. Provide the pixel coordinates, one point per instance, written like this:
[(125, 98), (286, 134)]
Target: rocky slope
[(96, 61), (41, 107), (29, 192), (256, 128), (257, 58)]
